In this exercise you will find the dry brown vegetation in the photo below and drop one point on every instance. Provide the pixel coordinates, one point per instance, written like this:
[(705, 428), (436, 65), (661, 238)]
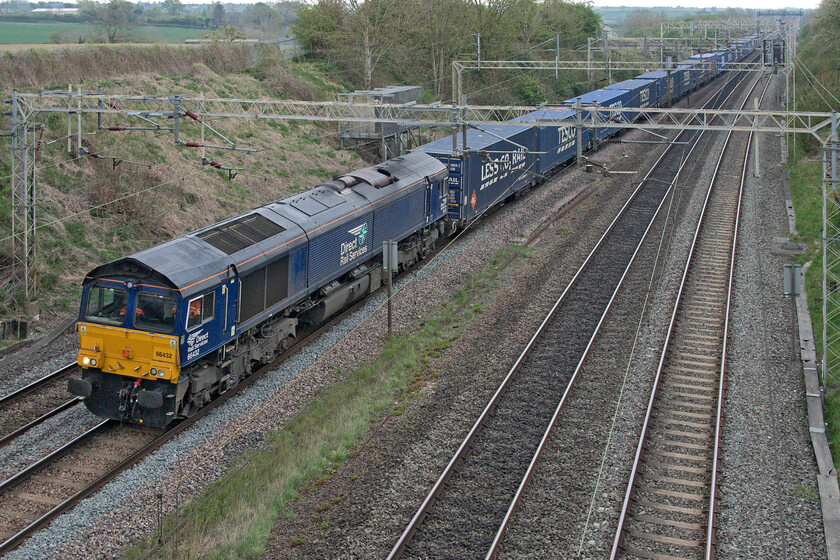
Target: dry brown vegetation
[(37, 67), (146, 189)]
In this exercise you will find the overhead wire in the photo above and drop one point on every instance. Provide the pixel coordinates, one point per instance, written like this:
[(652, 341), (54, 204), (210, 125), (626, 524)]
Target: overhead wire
[(108, 203), (806, 72)]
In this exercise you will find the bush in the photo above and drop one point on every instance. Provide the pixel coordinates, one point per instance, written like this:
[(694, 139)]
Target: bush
[(123, 193), (530, 90)]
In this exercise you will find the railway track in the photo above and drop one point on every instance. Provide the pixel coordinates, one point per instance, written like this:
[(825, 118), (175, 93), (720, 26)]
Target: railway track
[(31, 405), (37, 494), (34, 496), (467, 510), (23, 511), (669, 505)]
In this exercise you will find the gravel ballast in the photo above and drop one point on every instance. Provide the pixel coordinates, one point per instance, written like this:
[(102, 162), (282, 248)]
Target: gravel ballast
[(381, 491), (768, 501)]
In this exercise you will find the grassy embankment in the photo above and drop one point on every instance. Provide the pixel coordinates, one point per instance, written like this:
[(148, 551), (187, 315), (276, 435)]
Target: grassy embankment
[(819, 48), (806, 191), (146, 189), (234, 518), (34, 33)]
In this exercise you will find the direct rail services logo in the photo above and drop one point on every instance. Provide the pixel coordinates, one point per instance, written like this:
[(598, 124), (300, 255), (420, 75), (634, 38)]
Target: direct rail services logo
[(351, 250), (360, 232)]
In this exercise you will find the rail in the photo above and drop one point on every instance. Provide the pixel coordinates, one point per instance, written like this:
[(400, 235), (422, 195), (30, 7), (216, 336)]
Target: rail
[(654, 400), (42, 413), (433, 495)]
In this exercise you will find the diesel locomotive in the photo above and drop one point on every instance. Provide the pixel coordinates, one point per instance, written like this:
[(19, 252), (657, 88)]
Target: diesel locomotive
[(164, 331)]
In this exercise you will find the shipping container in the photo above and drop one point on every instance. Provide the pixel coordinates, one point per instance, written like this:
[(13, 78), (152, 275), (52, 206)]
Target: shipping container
[(645, 92), (680, 83), (607, 98), (556, 142), (497, 162), (705, 66)]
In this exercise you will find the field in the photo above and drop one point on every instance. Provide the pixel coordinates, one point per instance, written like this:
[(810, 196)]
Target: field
[(39, 33)]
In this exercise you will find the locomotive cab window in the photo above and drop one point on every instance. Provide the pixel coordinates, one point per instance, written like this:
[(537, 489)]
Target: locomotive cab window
[(155, 312), (200, 310), (106, 305)]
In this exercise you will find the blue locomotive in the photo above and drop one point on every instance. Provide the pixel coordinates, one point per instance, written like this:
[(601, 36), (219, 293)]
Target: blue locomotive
[(164, 331)]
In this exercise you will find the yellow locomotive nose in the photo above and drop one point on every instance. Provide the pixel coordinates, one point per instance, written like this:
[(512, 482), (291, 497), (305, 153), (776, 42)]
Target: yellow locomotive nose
[(148, 355)]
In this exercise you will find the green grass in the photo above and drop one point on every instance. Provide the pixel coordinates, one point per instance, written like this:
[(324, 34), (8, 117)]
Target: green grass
[(25, 33), (808, 493), (806, 191), (236, 521)]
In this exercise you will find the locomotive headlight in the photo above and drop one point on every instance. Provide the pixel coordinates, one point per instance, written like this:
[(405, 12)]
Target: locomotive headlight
[(86, 361), (93, 361), (153, 371), (161, 372)]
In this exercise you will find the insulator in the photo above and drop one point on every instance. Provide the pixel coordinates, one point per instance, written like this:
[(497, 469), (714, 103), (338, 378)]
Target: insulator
[(115, 128), (192, 144), (191, 115)]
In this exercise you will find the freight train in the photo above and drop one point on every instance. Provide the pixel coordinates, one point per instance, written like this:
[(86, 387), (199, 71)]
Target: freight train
[(166, 330)]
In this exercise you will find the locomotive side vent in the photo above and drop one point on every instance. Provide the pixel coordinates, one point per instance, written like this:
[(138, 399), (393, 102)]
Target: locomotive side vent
[(239, 234)]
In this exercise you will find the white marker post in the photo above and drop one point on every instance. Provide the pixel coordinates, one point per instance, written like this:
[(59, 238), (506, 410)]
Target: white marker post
[(389, 264)]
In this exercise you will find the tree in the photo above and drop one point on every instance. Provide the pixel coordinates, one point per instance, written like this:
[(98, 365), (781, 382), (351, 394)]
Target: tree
[(643, 21), (359, 30), (173, 7), (226, 33), (218, 14), (415, 41), (575, 22), (377, 24), (114, 17), (440, 34), (317, 27), (828, 22), (263, 18)]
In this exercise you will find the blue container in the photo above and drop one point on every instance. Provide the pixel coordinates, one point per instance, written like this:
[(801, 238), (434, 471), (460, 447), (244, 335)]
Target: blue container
[(660, 78), (498, 162), (705, 66), (607, 98), (645, 92), (721, 58), (686, 80), (557, 142), (680, 83)]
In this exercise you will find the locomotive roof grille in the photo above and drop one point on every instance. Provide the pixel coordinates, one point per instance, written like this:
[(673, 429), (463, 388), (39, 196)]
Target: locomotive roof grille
[(241, 233)]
